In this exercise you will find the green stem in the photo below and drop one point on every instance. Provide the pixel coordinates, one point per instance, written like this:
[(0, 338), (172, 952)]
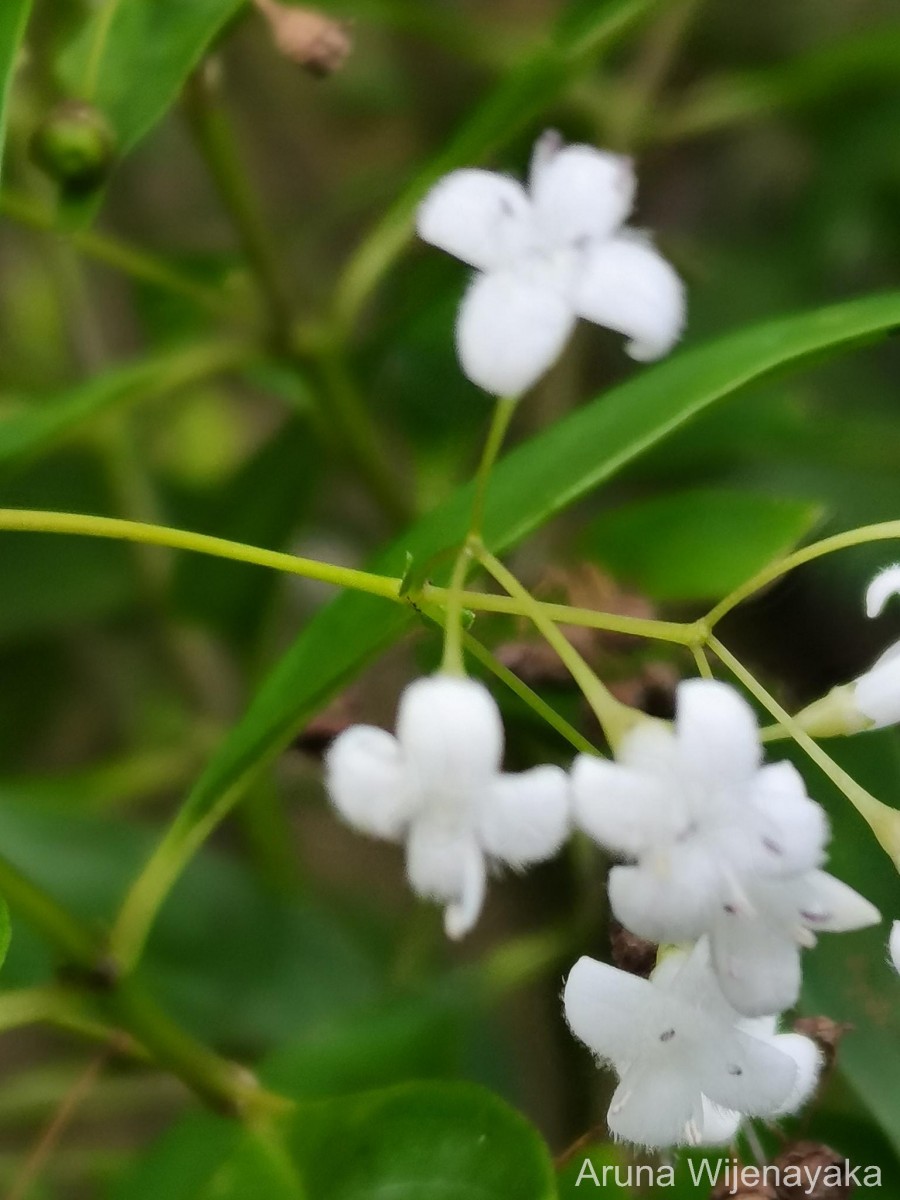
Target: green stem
[(223, 1085), (115, 253), (503, 414), (357, 437), (453, 655), (24, 520), (882, 820), (615, 718), (549, 715), (216, 143), (883, 531), (453, 661)]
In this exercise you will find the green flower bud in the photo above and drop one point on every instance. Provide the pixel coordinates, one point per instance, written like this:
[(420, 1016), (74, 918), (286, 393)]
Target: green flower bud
[(75, 144)]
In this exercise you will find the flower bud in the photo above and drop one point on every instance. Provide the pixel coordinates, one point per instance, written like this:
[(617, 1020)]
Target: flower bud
[(631, 953), (317, 42), (827, 1035), (75, 144), (812, 1171)]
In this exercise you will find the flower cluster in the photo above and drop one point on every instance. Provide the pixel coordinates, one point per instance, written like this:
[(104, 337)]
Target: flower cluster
[(547, 256), (718, 846), (723, 852), (721, 855)]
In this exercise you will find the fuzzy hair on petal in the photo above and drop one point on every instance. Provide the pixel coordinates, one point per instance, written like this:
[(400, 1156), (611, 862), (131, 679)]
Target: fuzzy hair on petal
[(367, 782)]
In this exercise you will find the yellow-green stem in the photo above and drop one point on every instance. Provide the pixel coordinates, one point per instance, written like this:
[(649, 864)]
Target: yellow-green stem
[(883, 531), (453, 656), (615, 718), (24, 520), (882, 820)]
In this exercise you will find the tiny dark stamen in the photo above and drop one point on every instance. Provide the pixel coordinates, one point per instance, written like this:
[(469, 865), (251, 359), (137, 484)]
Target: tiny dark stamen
[(812, 918), (735, 1070), (772, 846), (667, 1036), (730, 909)]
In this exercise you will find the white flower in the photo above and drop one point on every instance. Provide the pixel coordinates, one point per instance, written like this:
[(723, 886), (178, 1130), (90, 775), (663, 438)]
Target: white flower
[(689, 1067), (437, 786), (894, 946), (720, 845), (547, 256), (877, 692)]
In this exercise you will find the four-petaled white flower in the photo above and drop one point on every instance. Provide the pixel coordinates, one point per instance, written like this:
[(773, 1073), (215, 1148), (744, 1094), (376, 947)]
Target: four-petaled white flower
[(894, 946), (689, 1066), (876, 693), (438, 786), (547, 256), (720, 845)]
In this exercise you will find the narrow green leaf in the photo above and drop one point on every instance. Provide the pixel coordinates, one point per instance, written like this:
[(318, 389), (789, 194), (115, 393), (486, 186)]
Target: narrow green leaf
[(5, 930), (535, 481), (519, 99), (698, 544), (42, 425), (13, 20), (132, 57)]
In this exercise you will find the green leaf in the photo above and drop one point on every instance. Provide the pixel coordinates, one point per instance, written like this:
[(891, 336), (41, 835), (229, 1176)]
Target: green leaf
[(698, 544), (535, 481), (285, 965), (132, 57), (449, 1141), (423, 1141), (521, 97), (848, 977), (13, 21)]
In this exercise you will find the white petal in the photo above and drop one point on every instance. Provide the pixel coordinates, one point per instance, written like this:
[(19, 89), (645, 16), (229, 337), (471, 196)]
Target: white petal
[(757, 962), (894, 946), (656, 1108), (626, 811), (808, 1060), (510, 331), (580, 192), (651, 747), (462, 914), (481, 217), (877, 692), (629, 287), (672, 900), (719, 1125), (831, 906), (717, 732), (606, 1009), (525, 817), (885, 585), (746, 1074), (451, 734), (367, 783), (794, 829), (447, 865)]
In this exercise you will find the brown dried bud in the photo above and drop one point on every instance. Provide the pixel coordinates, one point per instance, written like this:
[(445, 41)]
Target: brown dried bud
[(317, 42), (744, 1185), (317, 736), (651, 690), (811, 1171), (539, 665), (631, 953), (827, 1035)]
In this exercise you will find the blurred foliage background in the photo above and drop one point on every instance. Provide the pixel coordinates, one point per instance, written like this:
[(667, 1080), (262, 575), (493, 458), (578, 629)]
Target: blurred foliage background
[(181, 391)]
